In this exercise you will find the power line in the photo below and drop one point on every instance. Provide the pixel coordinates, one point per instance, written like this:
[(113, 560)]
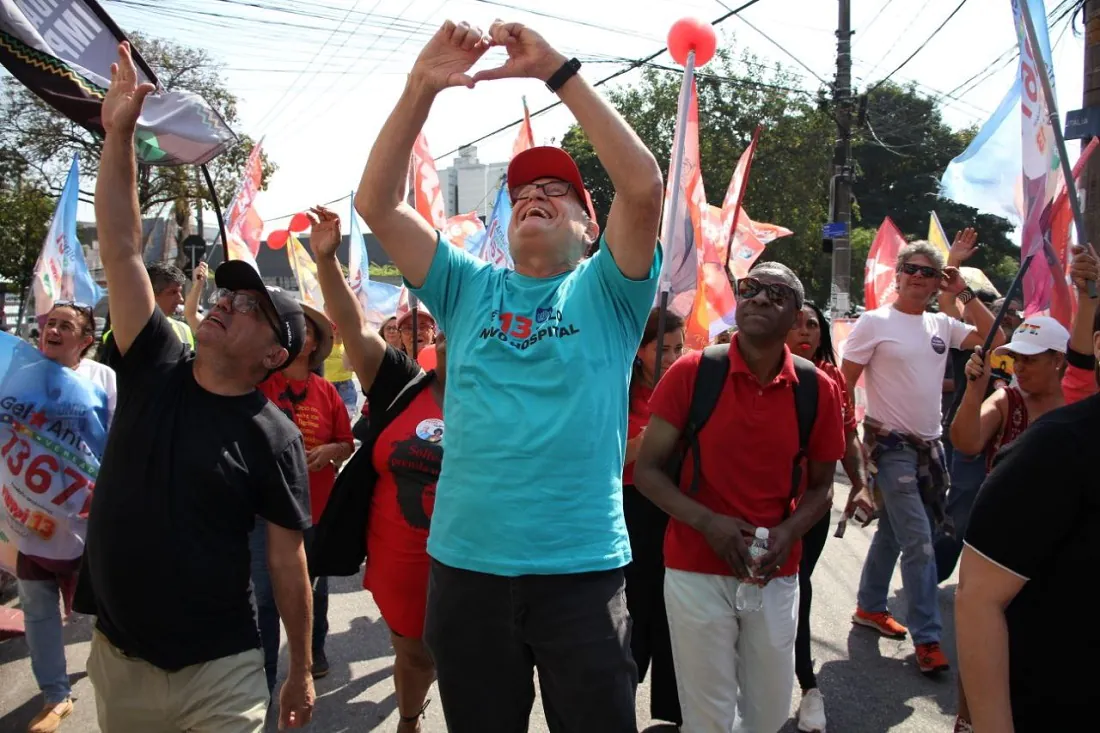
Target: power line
[(781, 47), (633, 65), (877, 16), (920, 47)]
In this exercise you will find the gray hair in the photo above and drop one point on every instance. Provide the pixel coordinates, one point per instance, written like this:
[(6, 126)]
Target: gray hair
[(784, 273), (923, 249)]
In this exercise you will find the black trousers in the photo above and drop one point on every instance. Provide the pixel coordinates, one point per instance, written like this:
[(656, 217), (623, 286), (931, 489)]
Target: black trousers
[(487, 633), (645, 599), (813, 542)]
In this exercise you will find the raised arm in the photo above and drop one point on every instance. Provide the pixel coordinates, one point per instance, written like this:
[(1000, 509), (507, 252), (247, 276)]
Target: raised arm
[(118, 217), (1083, 271), (363, 346), (973, 309), (632, 224), (977, 421), (406, 237), (191, 303)]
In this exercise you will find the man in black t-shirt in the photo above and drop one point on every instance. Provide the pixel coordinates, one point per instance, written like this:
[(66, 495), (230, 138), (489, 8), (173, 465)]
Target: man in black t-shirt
[(195, 453), (1032, 548)]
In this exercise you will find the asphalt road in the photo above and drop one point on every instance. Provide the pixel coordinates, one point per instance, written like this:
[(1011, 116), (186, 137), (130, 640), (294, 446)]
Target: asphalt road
[(871, 685)]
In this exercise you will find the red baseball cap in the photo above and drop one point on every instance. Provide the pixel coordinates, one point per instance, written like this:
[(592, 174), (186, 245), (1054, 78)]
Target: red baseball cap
[(548, 162)]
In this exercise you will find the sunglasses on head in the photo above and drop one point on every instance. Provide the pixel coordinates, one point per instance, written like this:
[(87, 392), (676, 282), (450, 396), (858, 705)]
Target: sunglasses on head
[(75, 305), (549, 189), (778, 293), (924, 270)]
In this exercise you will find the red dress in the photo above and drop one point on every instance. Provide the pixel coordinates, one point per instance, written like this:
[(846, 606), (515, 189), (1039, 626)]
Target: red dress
[(407, 456)]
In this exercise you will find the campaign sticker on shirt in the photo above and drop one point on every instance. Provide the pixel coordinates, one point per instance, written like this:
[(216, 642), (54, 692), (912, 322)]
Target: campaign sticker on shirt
[(430, 430), (938, 345)]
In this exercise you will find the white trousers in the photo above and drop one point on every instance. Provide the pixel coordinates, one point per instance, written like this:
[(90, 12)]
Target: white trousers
[(734, 674)]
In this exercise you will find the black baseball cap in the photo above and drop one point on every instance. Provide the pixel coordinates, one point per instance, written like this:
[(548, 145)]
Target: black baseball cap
[(291, 319)]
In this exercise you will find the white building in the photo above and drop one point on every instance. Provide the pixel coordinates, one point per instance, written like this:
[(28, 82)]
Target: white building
[(469, 184)]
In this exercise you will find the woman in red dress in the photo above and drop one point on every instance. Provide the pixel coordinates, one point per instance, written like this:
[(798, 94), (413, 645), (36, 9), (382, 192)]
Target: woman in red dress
[(382, 503)]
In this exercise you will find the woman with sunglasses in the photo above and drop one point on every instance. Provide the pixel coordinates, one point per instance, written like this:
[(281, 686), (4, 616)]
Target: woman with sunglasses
[(66, 338), (382, 503), (646, 523), (811, 339)]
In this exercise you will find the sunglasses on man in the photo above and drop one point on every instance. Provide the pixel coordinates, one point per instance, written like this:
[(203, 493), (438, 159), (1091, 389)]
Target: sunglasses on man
[(923, 270), (778, 293), (243, 303)]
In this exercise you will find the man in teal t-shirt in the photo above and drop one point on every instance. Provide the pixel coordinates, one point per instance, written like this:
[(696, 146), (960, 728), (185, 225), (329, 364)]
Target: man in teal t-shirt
[(528, 539)]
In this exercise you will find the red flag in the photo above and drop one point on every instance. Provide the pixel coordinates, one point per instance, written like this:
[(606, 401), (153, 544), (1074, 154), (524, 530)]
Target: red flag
[(461, 227), (879, 281), (525, 139), (428, 199), (243, 227), (714, 303), (1063, 300), (679, 269), (749, 240), (735, 194)]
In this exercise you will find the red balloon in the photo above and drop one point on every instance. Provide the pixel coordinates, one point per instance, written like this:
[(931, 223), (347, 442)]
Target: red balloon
[(426, 357), (299, 223), (278, 239), (691, 34)]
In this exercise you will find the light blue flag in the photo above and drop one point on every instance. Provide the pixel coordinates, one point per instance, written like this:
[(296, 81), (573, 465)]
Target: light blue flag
[(987, 174), (492, 245), (53, 430), (378, 300), (61, 273)]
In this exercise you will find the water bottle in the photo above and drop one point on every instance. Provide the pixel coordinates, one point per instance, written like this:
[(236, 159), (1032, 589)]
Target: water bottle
[(750, 596)]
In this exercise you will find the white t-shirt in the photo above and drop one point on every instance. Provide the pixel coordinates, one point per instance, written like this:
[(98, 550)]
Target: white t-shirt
[(103, 376), (905, 357)]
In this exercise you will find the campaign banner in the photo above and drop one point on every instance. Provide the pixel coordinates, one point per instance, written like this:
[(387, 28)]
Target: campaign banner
[(53, 429), (62, 50)]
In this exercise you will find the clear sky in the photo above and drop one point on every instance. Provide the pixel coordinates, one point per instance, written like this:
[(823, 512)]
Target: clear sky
[(316, 78)]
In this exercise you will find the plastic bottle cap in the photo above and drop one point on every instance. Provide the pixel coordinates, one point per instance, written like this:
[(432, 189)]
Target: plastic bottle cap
[(761, 533)]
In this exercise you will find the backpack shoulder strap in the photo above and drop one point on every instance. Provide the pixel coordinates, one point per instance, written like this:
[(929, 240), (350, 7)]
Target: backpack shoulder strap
[(805, 406), (805, 399), (710, 378)]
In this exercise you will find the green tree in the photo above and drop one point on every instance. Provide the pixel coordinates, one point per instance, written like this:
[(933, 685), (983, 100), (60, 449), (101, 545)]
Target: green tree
[(900, 155), (25, 213), (46, 141), (788, 185)]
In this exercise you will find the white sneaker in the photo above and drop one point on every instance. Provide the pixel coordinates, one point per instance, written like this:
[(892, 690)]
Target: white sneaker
[(811, 713)]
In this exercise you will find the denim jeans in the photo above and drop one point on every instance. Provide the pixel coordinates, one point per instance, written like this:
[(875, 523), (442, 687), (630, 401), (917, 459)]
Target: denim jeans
[(967, 475), (41, 603), (904, 529), (267, 612)]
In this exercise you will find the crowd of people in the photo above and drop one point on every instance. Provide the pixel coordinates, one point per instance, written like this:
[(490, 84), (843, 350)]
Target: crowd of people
[(611, 505)]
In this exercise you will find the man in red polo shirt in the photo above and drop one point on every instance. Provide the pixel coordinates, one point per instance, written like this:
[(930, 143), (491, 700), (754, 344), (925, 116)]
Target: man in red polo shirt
[(747, 449)]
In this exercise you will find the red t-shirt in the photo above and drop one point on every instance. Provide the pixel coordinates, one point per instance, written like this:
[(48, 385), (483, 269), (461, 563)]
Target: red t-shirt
[(407, 456), (636, 420), (747, 448), (317, 409), (847, 408)]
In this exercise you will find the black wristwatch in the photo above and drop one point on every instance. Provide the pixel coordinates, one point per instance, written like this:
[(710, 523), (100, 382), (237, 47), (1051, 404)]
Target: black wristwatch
[(567, 71)]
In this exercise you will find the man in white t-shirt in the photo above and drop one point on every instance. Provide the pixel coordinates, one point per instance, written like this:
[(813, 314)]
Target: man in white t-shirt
[(901, 350)]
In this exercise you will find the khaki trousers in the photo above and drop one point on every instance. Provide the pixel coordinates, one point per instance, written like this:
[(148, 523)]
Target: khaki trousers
[(227, 695)]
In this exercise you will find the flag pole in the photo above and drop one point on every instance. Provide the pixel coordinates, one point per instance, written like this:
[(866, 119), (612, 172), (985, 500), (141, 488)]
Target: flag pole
[(674, 204), (1059, 138), (1013, 291)]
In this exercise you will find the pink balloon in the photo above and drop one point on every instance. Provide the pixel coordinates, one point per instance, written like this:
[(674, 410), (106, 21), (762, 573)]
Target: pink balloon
[(299, 223), (691, 34), (278, 238)]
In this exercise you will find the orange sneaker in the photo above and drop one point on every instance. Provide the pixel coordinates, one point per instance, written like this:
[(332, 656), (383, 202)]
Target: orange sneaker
[(882, 622), (931, 659)]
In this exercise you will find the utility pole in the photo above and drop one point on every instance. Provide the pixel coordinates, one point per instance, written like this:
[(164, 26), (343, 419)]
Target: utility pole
[(840, 189), (1091, 179)]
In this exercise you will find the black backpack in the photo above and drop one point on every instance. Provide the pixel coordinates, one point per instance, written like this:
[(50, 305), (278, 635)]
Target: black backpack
[(710, 378)]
